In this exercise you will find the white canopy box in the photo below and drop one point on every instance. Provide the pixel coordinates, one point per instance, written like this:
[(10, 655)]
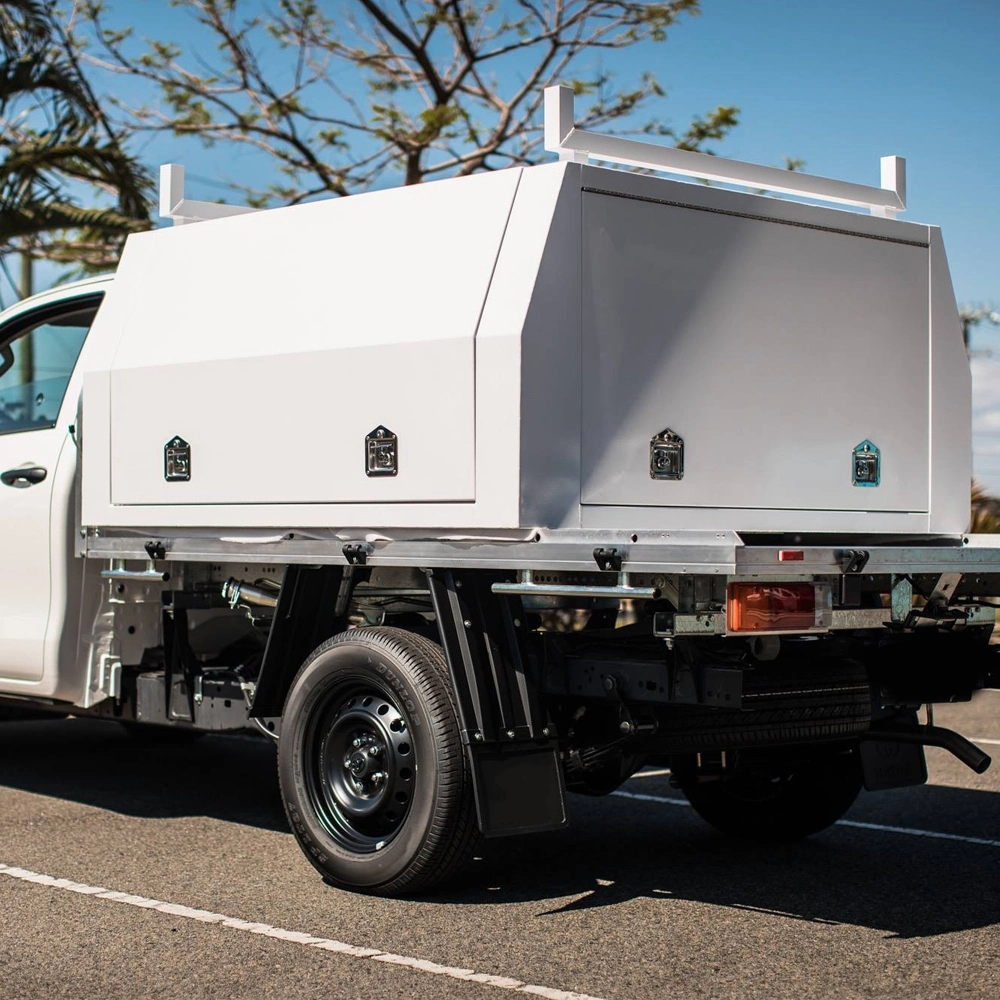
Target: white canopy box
[(557, 346)]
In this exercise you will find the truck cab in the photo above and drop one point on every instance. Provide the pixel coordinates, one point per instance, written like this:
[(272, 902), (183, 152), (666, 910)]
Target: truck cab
[(44, 350)]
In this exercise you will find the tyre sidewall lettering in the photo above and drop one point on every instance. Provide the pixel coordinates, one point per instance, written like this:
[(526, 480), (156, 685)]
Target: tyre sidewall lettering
[(407, 699)]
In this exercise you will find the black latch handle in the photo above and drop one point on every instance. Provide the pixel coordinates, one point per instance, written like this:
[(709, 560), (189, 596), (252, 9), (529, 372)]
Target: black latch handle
[(356, 554), (22, 478), (853, 560), (610, 560)]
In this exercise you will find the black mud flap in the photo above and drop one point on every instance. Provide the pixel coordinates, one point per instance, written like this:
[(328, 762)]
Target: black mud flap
[(886, 764), (513, 755), (518, 791)]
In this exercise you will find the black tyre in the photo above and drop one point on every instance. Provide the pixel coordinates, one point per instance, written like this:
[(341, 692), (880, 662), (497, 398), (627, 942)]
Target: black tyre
[(373, 773), (778, 802)]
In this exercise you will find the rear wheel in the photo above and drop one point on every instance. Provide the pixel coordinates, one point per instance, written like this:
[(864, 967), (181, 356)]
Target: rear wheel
[(786, 799), (373, 772)]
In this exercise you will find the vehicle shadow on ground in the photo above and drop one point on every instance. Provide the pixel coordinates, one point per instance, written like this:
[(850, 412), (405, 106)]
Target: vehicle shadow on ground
[(615, 850), (142, 774)]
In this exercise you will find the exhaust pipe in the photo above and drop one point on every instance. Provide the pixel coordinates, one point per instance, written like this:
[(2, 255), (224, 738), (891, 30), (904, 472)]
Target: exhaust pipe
[(934, 736), (241, 594)]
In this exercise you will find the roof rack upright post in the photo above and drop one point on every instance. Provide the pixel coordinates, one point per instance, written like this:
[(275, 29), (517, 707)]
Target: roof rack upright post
[(559, 124), (174, 206), (893, 179)]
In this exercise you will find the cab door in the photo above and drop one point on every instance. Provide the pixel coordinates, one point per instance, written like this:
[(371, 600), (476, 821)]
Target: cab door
[(38, 352)]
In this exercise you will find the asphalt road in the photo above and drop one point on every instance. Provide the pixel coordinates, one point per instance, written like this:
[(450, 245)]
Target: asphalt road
[(639, 899)]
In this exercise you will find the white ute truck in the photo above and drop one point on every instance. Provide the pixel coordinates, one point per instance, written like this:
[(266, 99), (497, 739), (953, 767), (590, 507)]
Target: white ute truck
[(480, 491)]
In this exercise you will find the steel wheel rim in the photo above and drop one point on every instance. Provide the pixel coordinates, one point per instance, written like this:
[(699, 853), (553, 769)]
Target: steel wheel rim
[(360, 765)]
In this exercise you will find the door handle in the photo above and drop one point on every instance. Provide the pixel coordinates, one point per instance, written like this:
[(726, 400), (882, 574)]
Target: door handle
[(22, 478)]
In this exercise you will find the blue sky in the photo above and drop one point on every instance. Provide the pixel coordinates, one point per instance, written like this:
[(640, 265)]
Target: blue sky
[(837, 83)]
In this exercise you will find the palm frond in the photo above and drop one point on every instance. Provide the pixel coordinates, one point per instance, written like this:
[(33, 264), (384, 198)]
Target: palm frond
[(69, 190), (24, 77), (24, 23)]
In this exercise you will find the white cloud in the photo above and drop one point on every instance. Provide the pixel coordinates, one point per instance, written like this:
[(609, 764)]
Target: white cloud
[(986, 422)]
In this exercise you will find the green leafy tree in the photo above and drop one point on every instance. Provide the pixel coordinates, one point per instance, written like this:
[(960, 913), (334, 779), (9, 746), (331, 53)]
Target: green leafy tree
[(349, 95), (985, 511), (972, 316), (68, 190)]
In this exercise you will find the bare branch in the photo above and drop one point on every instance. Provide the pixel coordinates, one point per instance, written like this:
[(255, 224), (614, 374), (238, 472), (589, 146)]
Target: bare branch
[(388, 87)]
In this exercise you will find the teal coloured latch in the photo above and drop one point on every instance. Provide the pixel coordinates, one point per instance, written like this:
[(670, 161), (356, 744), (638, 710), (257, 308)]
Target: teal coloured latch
[(866, 465)]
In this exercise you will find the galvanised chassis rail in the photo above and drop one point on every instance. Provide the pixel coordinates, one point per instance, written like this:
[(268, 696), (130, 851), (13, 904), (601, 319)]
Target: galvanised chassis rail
[(572, 551)]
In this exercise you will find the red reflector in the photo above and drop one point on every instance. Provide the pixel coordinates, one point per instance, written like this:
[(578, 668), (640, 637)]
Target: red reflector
[(791, 555), (761, 607)]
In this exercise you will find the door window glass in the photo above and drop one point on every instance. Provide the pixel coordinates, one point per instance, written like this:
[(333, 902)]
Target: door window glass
[(35, 368)]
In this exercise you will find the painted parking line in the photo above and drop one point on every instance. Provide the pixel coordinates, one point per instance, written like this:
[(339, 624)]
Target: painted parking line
[(910, 832), (856, 824), (292, 937), (661, 799)]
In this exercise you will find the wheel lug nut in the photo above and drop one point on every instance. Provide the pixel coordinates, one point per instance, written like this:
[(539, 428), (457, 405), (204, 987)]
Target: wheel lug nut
[(374, 750), (378, 778), (356, 742)]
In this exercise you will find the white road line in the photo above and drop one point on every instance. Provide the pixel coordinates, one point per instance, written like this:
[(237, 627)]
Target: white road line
[(293, 937), (908, 831), (981, 739), (651, 798), (655, 773)]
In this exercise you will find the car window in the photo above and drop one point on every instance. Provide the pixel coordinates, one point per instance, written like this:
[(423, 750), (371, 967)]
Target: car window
[(36, 362)]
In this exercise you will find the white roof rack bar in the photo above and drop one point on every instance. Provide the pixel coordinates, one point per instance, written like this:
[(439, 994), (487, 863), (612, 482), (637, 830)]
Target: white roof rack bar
[(173, 204), (579, 145)]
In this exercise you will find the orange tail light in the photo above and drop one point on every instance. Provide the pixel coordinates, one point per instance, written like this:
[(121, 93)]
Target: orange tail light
[(778, 607)]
